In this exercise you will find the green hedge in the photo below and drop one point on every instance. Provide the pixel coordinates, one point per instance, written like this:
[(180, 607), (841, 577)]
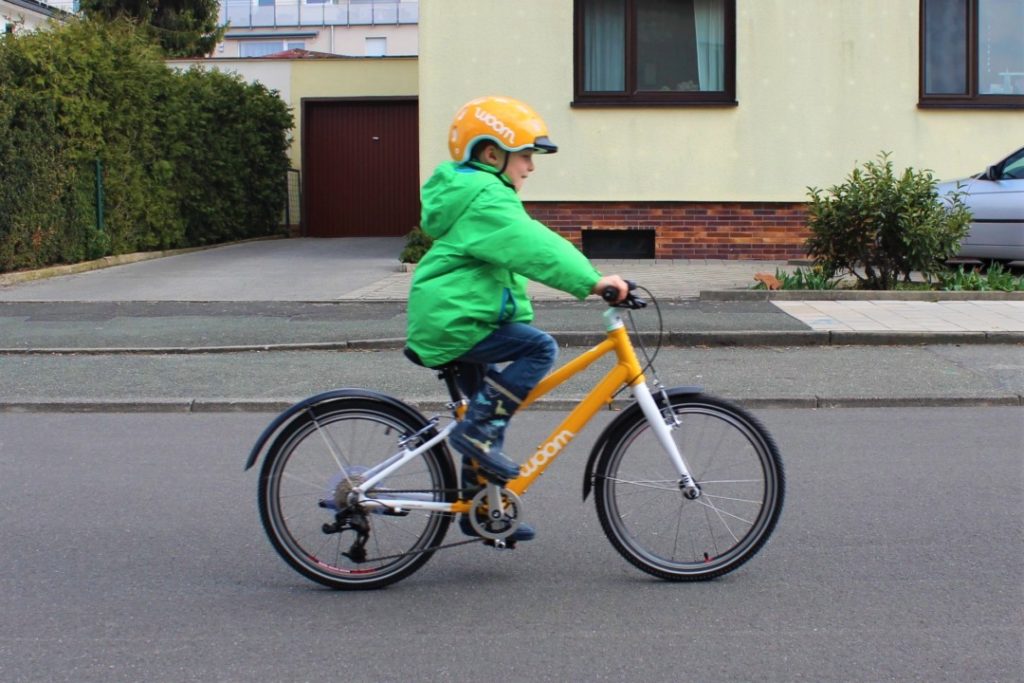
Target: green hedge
[(187, 158)]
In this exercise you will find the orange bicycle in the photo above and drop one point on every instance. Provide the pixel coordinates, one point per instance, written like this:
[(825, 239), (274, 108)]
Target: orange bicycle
[(358, 489)]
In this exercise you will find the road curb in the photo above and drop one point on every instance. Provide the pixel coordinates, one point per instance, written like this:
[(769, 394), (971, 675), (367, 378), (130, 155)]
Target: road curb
[(752, 338), (437, 405)]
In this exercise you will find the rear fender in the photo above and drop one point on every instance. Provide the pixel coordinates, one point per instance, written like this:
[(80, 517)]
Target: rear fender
[(603, 442), (327, 398)]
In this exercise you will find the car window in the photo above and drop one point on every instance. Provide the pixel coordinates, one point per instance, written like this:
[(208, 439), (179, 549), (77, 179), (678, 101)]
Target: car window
[(1014, 166)]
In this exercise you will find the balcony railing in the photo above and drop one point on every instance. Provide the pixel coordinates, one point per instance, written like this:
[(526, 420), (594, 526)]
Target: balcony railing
[(272, 13), (69, 6)]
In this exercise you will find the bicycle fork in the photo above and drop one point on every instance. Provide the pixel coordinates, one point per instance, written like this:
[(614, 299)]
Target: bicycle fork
[(642, 393)]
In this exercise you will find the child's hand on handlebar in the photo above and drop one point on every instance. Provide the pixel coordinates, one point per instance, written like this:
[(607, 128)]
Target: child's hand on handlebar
[(615, 282)]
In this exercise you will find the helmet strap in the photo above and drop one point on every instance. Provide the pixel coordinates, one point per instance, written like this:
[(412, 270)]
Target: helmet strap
[(493, 171)]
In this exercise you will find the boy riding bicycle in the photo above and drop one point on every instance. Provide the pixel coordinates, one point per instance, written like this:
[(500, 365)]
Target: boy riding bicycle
[(468, 300)]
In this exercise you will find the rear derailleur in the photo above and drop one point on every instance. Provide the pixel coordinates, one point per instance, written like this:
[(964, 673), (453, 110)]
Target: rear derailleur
[(356, 520)]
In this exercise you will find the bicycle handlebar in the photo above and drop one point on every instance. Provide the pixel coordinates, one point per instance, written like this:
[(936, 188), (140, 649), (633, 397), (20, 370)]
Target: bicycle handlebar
[(631, 301)]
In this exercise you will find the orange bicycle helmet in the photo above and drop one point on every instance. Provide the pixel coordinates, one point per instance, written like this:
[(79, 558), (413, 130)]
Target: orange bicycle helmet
[(512, 125)]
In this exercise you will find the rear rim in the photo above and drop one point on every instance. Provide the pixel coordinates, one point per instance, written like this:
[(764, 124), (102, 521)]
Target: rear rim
[(648, 520), (298, 497)]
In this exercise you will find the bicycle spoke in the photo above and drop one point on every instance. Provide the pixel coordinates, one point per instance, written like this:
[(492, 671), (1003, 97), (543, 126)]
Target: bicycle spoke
[(666, 485)]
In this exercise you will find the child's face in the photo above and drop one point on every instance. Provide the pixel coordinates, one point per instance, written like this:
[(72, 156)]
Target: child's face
[(520, 166)]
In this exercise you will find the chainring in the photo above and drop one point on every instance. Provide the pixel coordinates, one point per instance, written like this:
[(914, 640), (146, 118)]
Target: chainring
[(496, 527)]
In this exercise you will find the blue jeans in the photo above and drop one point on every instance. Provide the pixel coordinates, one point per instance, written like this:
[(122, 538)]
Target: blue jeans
[(530, 353)]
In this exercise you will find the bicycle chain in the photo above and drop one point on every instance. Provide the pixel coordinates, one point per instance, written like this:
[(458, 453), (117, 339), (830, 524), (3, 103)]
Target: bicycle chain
[(443, 546)]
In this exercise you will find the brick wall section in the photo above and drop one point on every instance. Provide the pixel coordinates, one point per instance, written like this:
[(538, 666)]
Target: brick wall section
[(689, 230)]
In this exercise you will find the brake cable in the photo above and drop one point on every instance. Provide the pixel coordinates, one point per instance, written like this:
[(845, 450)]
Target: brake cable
[(649, 365)]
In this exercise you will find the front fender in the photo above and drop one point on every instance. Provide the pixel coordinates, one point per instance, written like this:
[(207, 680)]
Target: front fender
[(603, 442), (332, 396)]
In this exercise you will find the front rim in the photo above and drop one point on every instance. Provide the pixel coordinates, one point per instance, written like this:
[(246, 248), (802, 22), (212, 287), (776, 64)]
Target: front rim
[(297, 500), (662, 532)]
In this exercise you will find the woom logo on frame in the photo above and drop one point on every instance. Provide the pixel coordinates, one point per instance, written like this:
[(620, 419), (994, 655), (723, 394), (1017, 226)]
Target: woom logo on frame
[(546, 452)]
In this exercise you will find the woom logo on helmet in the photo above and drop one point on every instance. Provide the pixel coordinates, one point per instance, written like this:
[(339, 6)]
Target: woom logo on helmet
[(497, 125)]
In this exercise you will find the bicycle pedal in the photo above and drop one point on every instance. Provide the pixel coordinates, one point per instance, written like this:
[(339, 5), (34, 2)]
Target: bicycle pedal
[(500, 544)]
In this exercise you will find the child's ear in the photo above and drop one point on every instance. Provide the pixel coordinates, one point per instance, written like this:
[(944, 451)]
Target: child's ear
[(487, 153)]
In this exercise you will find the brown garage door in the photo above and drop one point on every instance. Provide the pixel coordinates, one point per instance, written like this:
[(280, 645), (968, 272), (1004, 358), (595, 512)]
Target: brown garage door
[(360, 167)]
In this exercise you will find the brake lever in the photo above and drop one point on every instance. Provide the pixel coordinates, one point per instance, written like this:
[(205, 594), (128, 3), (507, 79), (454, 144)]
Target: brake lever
[(632, 302)]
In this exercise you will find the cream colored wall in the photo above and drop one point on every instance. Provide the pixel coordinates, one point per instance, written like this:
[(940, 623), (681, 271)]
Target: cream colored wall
[(23, 19), (822, 87), (276, 74), (333, 78), (295, 79), (402, 41)]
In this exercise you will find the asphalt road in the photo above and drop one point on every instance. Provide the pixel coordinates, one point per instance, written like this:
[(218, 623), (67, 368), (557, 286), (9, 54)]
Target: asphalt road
[(132, 551)]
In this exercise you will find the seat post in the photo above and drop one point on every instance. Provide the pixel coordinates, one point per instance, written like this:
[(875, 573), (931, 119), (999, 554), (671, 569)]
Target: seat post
[(447, 373)]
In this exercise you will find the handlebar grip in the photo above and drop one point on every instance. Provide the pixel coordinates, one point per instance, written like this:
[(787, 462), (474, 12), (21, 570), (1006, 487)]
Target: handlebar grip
[(610, 294)]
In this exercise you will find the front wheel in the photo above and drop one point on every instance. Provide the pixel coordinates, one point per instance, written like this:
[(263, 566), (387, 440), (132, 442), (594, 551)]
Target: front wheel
[(645, 515), (312, 465)]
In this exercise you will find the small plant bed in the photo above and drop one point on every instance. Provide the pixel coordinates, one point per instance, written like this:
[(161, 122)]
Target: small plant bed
[(996, 278)]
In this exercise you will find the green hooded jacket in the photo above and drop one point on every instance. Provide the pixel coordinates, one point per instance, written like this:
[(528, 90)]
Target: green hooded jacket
[(473, 278)]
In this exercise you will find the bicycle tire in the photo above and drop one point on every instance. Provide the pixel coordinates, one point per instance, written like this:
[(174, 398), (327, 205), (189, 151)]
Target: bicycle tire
[(324, 446), (643, 513)]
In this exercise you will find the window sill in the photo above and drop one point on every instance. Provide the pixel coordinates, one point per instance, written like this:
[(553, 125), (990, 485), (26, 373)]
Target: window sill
[(967, 104), (641, 104)]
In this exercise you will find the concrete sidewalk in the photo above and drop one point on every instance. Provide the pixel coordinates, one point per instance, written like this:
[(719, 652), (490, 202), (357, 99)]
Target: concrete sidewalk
[(366, 270)]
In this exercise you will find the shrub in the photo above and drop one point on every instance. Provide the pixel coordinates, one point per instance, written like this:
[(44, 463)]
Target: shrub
[(879, 227), (186, 159), (417, 243)]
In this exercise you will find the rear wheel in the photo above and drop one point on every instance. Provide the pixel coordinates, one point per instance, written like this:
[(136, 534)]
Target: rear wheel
[(302, 495), (645, 515)]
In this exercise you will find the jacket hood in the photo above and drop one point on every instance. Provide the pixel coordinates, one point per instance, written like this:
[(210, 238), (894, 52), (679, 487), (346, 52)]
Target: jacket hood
[(449, 191)]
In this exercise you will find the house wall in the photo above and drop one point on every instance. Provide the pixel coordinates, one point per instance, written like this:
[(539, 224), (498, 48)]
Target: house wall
[(402, 40), (25, 16), (821, 86)]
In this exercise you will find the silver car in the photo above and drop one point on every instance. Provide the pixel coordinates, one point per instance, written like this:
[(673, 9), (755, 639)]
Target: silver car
[(996, 198)]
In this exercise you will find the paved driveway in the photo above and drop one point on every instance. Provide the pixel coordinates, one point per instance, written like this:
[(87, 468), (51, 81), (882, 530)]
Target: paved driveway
[(302, 269)]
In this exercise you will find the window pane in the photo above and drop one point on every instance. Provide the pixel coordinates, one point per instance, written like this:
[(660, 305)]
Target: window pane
[(604, 45), (945, 47), (1001, 47), (680, 45), (259, 48), (376, 47), (709, 29)]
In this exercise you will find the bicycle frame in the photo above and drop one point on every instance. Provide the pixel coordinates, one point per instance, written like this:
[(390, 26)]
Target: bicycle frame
[(626, 371)]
